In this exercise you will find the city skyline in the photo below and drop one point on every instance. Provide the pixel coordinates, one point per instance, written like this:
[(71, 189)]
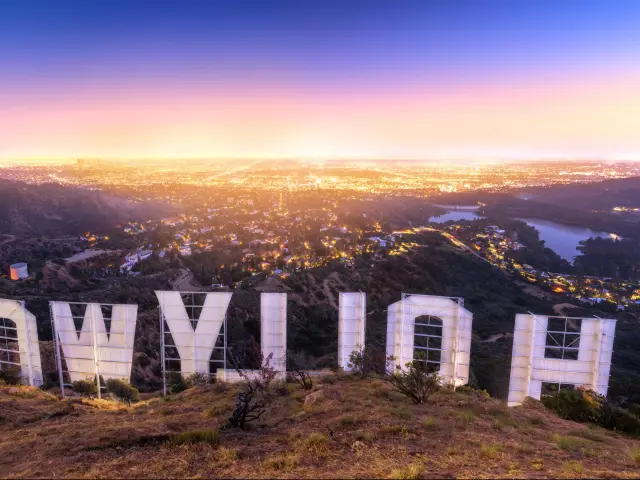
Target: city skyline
[(320, 80)]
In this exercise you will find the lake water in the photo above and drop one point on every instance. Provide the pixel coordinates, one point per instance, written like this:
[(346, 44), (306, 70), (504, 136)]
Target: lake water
[(456, 215), (562, 239)]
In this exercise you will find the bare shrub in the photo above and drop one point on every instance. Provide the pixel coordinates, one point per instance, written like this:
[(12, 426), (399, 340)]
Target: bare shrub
[(299, 365), (252, 401)]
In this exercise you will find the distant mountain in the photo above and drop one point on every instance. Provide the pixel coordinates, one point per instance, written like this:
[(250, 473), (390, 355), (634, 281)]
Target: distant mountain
[(52, 209), (623, 192)]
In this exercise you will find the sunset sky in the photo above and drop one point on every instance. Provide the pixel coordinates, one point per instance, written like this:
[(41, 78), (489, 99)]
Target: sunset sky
[(140, 79)]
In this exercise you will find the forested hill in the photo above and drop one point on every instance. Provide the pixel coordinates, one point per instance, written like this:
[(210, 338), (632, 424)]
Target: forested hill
[(52, 209)]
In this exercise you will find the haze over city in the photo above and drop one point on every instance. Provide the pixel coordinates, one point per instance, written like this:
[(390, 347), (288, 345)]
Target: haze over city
[(459, 80)]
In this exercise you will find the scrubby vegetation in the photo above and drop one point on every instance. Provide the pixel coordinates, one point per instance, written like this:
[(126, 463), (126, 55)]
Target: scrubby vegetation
[(123, 390), (345, 426), (9, 376), (587, 406), (417, 380), (255, 396), (86, 388)]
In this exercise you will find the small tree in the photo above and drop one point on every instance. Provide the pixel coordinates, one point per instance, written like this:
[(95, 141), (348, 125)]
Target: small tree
[(359, 363), (86, 388), (124, 391), (417, 381), (253, 399)]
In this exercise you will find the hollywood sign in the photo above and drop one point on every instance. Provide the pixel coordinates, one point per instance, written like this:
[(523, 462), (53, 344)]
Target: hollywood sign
[(556, 350)]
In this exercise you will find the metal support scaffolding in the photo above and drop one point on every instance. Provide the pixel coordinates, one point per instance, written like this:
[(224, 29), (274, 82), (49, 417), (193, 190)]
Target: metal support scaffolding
[(564, 351), (444, 338), (91, 351), (19, 347), (193, 333)]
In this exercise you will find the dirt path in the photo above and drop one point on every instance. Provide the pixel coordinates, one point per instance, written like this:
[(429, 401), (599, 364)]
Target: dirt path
[(186, 282)]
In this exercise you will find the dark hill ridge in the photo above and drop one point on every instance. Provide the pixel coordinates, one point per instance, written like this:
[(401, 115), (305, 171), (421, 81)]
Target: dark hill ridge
[(343, 428), (603, 195), (51, 209)]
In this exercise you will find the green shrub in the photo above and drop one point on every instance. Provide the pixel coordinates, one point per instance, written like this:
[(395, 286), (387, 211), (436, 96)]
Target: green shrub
[(620, 420), (10, 376), (176, 382), (588, 406), (86, 388), (210, 436), (124, 391), (577, 405), (470, 389), (418, 380)]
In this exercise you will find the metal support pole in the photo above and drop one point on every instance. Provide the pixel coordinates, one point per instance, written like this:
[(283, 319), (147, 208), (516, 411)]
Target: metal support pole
[(57, 348), (162, 348), (399, 360), (596, 363), (94, 345), (363, 325), (455, 345), (28, 346), (224, 350)]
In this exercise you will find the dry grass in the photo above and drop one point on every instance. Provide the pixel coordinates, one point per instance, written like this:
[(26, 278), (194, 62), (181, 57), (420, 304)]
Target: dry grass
[(411, 472), (572, 467), (212, 437), (429, 423), (569, 443), (491, 451), (354, 431), (281, 462)]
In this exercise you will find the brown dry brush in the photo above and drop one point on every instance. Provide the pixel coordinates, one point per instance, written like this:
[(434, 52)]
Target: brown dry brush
[(299, 366), (254, 398)]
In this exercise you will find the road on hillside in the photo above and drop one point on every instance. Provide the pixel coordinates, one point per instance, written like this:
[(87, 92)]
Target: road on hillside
[(186, 282)]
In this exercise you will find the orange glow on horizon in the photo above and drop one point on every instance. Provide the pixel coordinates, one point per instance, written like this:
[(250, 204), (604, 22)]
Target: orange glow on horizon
[(568, 117)]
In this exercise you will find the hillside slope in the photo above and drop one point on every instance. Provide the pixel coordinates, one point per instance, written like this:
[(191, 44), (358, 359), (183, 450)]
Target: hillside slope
[(51, 209), (344, 428)]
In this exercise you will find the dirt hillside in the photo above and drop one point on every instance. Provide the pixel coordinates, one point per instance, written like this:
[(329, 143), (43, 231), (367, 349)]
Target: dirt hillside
[(343, 428)]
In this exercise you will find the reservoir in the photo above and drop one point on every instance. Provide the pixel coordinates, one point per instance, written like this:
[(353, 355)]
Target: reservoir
[(455, 215), (562, 239)]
